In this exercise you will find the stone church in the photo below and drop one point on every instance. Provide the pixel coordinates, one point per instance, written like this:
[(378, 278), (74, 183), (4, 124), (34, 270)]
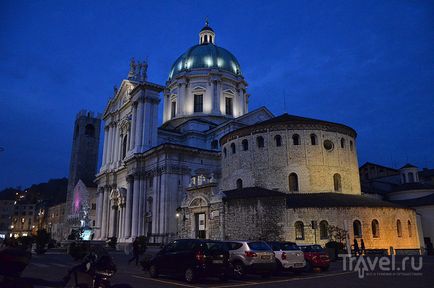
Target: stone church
[(214, 169)]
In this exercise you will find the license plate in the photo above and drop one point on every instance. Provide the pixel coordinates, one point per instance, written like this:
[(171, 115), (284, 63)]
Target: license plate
[(298, 265), (266, 257), (217, 261)]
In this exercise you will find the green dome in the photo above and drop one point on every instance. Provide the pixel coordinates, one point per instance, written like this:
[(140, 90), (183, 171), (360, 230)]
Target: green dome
[(206, 56)]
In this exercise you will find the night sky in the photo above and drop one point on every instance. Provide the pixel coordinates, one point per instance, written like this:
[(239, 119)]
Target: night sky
[(366, 64)]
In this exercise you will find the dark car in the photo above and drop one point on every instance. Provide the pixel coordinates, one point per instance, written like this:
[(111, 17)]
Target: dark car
[(315, 257), (193, 259)]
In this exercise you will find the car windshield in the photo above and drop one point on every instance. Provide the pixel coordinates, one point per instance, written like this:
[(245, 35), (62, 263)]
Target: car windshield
[(289, 246), (312, 248), (212, 246), (260, 246)]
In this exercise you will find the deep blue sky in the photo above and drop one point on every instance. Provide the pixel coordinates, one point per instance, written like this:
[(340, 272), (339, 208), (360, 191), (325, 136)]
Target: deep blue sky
[(367, 64)]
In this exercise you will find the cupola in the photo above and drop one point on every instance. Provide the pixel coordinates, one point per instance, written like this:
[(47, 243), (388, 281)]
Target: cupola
[(206, 35)]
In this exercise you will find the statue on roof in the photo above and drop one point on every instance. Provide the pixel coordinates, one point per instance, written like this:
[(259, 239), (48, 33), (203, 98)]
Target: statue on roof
[(133, 66)]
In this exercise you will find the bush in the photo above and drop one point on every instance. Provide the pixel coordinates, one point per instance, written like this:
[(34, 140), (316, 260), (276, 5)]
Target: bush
[(78, 250), (112, 241), (336, 245), (42, 238), (25, 242), (143, 243)]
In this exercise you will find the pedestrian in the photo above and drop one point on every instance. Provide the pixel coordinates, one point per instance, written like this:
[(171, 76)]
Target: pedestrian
[(362, 247), (356, 248), (136, 252)]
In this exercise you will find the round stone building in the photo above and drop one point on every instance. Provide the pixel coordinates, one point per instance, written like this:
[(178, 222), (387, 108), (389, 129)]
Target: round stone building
[(295, 179), (290, 153)]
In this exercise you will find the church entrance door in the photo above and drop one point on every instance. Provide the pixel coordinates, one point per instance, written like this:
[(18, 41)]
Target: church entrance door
[(200, 225)]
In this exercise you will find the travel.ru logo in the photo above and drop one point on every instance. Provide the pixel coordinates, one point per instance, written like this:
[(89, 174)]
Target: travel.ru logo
[(382, 265)]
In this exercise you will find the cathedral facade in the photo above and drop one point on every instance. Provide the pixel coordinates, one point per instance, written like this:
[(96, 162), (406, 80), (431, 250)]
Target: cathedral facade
[(215, 169)]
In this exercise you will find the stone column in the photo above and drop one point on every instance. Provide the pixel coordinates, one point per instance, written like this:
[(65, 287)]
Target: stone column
[(116, 149), (104, 154), (133, 126), (109, 140), (104, 214), (135, 212), (240, 103), (120, 236), (180, 101), (128, 207), (140, 213), (215, 103), (139, 126), (99, 207), (113, 220)]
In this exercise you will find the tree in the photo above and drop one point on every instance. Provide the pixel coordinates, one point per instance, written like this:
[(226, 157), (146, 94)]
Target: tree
[(337, 234), (42, 238)]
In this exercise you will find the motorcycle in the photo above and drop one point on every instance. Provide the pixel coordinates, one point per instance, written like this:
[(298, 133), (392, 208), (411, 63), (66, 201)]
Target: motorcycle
[(94, 272)]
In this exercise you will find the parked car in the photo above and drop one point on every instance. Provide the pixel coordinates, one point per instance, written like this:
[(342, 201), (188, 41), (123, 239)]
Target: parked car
[(193, 259), (288, 255), (251, 257), (315, 257)]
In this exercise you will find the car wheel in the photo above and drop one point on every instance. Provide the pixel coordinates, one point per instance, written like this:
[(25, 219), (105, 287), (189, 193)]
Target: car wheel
[(279, 268), (153, 271), (266, 276), (239, 270), (224, 277), (189, 275), (308, 267)]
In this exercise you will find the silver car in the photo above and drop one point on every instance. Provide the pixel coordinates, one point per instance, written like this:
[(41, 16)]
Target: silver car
[(288, 256), (251, 257)]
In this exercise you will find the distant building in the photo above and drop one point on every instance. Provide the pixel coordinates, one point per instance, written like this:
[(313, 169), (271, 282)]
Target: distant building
[(6, 213), (24, 220), (55, 221), (83, 166), (407, 187)]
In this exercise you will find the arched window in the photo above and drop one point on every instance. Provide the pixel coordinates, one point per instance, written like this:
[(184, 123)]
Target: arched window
[(239, 184), (351, 145), (225, 152), (124, 146), (233, 148), (245, 145), (337, 182), (357, 228), (260, 141), (313, 139), (296, 139), (410, 231), (293, 182), (375, 228), (278, 140), (410, 177), (89, 130), (398, 228), (323, 230), (342, 143), (299, 230), (214, 144)]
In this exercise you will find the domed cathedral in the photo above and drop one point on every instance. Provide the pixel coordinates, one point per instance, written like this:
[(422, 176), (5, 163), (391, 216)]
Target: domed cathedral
[(205, 81), (215, 170), (146, 168)]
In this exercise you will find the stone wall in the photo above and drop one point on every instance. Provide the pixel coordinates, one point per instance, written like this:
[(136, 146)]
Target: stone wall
[(270, 166), (387, 218), (254, 218)]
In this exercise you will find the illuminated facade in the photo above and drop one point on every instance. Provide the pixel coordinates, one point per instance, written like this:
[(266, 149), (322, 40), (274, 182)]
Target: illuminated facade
[(206, 170)]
